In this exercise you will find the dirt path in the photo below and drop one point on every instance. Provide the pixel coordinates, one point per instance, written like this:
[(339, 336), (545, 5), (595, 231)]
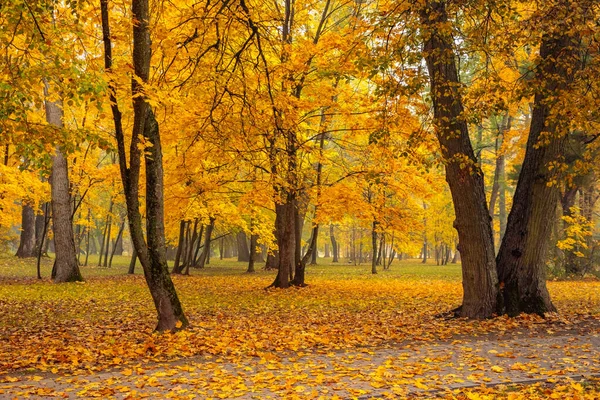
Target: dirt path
[(397, 370)]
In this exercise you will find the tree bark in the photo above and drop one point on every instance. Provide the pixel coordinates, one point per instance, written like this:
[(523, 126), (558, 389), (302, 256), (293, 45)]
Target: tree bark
[(176, 267), (41, 238), (133, 261), (253, 239), (118, 240), (285, 225), (374, 247), (463, 173), (207, 238), (522, 257), (152, 255), (334, 245), (242, 246), (108, 235), (66, 268), (27, 241)]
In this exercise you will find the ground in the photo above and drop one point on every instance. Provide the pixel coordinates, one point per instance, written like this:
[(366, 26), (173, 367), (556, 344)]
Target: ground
[(348, 334)]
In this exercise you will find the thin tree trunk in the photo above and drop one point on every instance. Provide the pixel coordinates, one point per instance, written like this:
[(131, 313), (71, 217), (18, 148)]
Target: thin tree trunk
[(206, 249), (108, 235), (132, 263), (199, 245), (190, 247), (152, 255), (87, 237), (392, 254), (374, 249), (117, 241), (176, 267), (253, 239), (42, 237), (105, 234), (334, 245)]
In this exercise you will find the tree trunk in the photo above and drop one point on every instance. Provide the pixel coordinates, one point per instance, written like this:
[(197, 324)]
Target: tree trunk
[(192, 239), (285, 225), (463, 173), (198, 246), (66, 268), (41, 238), (27, 241), (87, 238), (152, 255), (104, 235), (108, 235), (176, 268), (207, 238), (118, 240), (374, 248), (522, 257), (253, 239), (134, 258), (272, 260), (242, 246), (334, 245)]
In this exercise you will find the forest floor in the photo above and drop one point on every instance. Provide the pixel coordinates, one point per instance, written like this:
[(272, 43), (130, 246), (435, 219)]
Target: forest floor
[(348, 335)]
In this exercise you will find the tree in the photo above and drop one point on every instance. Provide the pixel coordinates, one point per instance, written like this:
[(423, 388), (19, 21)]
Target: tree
[(464, 176), (66, 267), (27, 239), (152, 255), (524, 250)]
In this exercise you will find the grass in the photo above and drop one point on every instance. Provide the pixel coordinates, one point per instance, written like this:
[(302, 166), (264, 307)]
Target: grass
[(12, 267), (109, 319)]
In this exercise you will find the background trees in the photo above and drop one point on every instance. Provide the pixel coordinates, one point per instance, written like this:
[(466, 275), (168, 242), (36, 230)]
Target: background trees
[(299, 131)]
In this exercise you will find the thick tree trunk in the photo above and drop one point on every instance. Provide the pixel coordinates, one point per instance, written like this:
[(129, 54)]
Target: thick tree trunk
[(285, 226), (522, 257), (152, 255), (463, 173), (27, 242), (272, 260), (66, 268), (242, 246)]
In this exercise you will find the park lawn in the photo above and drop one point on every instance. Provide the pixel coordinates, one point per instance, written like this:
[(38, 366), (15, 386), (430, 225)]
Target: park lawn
[(108, 321)]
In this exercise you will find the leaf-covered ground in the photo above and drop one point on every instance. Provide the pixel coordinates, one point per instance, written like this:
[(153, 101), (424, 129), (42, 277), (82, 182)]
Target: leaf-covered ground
[(348, 333)]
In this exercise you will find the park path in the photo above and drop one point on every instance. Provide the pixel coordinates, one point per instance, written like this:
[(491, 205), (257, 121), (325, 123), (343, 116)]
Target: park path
[(398, 370)]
